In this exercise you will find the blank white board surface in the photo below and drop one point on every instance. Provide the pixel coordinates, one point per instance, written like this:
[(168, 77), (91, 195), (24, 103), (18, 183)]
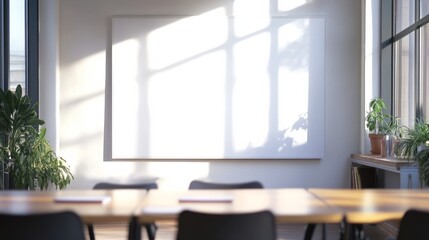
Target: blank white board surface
[(217, 87)]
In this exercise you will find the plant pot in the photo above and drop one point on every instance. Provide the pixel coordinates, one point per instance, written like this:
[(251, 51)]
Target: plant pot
[(376, 142), (388, 145)]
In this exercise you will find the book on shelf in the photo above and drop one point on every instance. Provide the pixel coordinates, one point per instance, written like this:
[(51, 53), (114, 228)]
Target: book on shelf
[(363, 177)]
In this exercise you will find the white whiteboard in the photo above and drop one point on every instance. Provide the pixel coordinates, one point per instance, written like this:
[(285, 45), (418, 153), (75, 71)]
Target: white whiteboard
[(216, 87)]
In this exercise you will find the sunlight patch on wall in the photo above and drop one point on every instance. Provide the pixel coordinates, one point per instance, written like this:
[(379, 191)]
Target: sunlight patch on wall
[(179, 173), (370, 82), (172, 40), (250, 16), (127, 59), (288, 5), (116, 169), (194, 88), (254, 8), (292, 103), (86, 99), (246, 25), (250, 97), (293, 85)]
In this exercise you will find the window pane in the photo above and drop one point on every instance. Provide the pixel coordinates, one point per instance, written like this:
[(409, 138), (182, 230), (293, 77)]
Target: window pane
[(404, 80), (424, 8), (424, 68), (405, 10), (17, 44), (386, 20)]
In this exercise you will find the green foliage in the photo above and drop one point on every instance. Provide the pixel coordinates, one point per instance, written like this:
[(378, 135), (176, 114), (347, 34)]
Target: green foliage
[(376, 117), (413, 138), (391, 126), (29, 157), (382, 123), (422, 160), (16, 115)]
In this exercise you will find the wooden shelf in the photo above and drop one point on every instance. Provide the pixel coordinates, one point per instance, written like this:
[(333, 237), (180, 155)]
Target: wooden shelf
[(393, 165), (408, 172)]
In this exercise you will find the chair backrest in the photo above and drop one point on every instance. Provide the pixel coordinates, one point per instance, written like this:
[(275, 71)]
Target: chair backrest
[(414, 225), (243, 226), (47, 226), (145, 185), (198, 184)]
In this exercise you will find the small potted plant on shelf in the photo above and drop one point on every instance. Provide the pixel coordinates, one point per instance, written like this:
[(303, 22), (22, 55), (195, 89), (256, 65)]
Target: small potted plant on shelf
[(25, 154), (393, 131), (414, 139), (376, 122)]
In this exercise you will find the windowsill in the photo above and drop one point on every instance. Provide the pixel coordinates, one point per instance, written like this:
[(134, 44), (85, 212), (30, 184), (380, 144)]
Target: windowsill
[(380, 162)]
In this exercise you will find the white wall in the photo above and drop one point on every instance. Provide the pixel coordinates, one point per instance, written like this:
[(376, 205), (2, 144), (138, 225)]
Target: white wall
[(49, 69), (371, 76), (83, 41)]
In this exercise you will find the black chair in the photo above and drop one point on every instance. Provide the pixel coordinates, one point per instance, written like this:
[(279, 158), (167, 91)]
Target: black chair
[(64, 225), (198, 184), (243, 226), (414, 225), (133, 225), (106, 185)]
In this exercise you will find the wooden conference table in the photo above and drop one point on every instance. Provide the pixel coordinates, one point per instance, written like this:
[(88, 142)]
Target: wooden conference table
[(370, 206), (119, 207), (374, 205), (288, 205)]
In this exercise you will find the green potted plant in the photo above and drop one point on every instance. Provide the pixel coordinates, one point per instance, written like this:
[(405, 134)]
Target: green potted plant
[(375, 121), (24, 151), (393, 131), (414, 138), (422, 161), (414, 146)]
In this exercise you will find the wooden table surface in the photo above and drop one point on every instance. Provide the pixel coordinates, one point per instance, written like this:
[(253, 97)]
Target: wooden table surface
[(287, 205), (121, 206), (368, 206)]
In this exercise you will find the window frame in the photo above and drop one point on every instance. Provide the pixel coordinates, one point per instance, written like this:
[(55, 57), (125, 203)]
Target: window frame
[(31, 47), (388, 77)]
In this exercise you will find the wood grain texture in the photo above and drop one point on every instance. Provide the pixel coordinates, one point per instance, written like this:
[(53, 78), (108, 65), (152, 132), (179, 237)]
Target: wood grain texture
[(167, 231)]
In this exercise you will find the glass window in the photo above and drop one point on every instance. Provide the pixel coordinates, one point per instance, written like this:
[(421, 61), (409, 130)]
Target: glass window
[(405, 16), (410, 71), (17, 44), (424, 8), (404, 79), (424, 71)]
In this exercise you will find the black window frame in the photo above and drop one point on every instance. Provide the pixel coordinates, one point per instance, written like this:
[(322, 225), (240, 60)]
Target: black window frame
[(387, 76), (31, 47)]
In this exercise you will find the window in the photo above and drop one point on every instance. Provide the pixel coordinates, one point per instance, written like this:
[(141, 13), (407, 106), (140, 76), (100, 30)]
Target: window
[(405, 10), (404, 58), (424, 8), (424, 71), (405, 79), (19, 45)]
